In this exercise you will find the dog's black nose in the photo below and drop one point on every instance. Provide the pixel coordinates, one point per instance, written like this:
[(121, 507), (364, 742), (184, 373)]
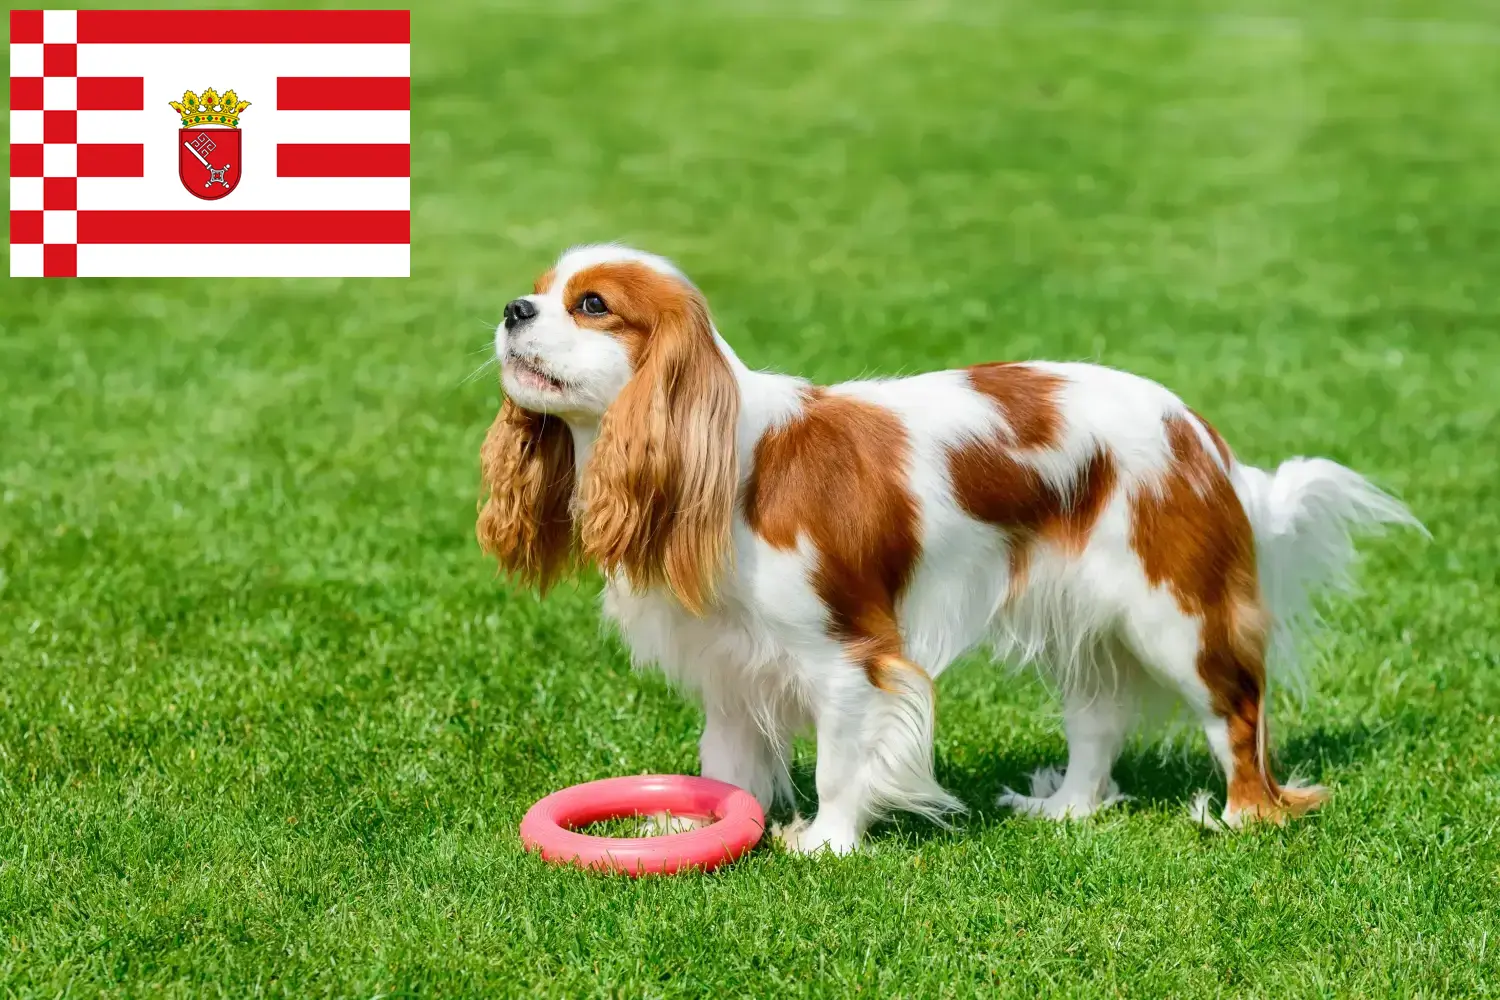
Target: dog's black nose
[(518, 312)]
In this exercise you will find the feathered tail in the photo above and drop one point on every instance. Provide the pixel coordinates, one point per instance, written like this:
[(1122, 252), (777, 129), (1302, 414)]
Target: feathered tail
[(1305, 517)]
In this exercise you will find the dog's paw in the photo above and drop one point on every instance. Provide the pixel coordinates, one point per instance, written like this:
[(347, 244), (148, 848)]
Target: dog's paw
[(1049, 800), (789, 835), (1295, 799), (802, 836)]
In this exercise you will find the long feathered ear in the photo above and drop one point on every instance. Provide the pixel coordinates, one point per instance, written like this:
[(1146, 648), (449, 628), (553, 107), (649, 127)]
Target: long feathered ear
[(525, 519), (659, 489)]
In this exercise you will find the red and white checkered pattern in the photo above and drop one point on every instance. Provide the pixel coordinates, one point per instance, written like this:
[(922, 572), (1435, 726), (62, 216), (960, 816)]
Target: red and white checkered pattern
[(44, 45)]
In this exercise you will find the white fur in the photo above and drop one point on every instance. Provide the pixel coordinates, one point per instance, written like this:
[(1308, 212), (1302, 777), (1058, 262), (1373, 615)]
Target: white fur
[(765, 668), (592, 366), (1305, 516)]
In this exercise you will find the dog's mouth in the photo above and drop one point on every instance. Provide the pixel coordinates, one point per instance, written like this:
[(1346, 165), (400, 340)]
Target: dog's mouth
[(531, 375)]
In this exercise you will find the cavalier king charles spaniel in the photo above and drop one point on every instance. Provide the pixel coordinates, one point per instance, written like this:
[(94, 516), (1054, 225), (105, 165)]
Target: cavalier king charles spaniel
[(809, 558)]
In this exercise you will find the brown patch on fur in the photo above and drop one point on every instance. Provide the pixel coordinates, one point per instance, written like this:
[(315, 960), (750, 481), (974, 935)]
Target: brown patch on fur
[(543, 283), (1219, 443), (993, 486), (658, 490), (1193, 537), (1192, 534), (836, 474), (527, 470), (1026, 398), (890, 673), (635, 295)]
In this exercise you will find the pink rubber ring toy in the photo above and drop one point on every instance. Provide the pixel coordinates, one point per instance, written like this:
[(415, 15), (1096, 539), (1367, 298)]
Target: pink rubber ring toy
[(550, 826)]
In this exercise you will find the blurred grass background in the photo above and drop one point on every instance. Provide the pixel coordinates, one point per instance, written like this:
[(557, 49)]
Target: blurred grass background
[(268, 721)]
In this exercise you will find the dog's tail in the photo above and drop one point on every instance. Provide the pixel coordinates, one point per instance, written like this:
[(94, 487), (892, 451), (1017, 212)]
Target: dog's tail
[(1305, 516)]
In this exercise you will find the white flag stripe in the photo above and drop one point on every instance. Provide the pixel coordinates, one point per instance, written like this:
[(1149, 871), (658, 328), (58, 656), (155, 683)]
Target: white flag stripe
[(257, 191), (60, 26), (259, 187), (59, 159), (60, 227), (195, 67), (60, 93), (25, 194), (25, 127), (25, 60), (263, 260), (25, 260), (342, 126), (260, 131)]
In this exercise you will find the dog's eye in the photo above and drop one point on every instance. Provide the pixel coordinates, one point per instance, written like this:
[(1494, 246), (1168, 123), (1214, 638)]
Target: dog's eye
[(592, 305)]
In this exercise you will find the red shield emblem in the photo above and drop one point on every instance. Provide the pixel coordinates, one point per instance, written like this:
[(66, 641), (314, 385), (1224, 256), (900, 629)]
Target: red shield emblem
[(208, 161)]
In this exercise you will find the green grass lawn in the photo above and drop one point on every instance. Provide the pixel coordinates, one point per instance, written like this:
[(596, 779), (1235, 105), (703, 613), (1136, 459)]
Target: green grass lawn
[(268, 720)]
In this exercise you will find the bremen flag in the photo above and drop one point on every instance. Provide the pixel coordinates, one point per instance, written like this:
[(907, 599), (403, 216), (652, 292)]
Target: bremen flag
[(237, 143)]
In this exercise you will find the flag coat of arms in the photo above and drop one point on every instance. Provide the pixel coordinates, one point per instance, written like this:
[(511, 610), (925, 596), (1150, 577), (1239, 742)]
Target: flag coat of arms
[(242, 143)]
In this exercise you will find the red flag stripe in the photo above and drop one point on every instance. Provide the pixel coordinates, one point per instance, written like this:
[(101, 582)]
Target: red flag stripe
[(111, 159), (60, 126), (60, 260), (59, 59), (26, 93), (60, 193), (111, 93), (350, 159), (25, 27), (25, 226), (244, 27), (26, 159), (206, 226), (343, 93)]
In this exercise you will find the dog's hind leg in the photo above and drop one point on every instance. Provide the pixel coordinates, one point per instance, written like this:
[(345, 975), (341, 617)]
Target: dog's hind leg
[(1098, 711), (1216, 662)]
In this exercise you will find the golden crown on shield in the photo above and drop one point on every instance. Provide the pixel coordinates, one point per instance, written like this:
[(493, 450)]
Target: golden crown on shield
[(211, 108)]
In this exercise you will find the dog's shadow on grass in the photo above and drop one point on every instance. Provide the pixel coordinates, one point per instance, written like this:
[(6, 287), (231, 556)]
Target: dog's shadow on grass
[(1156, 776)]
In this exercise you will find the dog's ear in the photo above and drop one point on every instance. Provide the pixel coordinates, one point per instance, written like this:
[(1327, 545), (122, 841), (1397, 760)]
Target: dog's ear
[(659, 489), (525, 520)]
